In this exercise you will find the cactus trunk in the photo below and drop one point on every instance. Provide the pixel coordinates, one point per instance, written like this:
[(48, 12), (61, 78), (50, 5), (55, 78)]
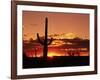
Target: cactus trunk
[(35, 52), (45, 49)]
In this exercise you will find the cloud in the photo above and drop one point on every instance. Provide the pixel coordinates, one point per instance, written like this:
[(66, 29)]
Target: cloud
[(64, 36)]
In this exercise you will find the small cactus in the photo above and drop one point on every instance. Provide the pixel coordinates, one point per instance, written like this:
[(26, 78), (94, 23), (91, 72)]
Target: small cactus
[(45, 43), (35, 50)]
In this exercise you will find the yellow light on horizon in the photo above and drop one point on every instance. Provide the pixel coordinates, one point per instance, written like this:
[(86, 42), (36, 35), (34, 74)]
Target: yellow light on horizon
[(52, 54)]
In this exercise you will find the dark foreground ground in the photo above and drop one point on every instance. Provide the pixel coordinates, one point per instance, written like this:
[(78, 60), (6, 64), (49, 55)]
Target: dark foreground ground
[(61, 61)]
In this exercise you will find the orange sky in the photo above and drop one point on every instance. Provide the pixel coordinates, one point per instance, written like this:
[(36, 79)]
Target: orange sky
[(58, 23)]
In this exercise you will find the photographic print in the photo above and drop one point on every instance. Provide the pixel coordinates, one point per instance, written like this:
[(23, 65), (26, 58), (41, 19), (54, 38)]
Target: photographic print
[(53, 39)]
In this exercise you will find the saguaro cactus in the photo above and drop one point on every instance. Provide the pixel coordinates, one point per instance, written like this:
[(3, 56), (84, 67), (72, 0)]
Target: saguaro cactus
[(45, 43)]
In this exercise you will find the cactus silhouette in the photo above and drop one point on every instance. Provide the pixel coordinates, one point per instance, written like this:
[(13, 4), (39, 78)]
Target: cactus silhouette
[(35, 51), (45, 42)]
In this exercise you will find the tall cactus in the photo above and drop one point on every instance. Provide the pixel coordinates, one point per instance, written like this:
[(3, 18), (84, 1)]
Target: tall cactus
[(45, 43)]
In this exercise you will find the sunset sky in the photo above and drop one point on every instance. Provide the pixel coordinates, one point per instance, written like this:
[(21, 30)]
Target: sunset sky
[(60, 26), (71, 24)]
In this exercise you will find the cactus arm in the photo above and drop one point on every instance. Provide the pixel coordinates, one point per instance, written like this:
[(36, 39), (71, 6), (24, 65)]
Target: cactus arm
[(50, 41), (39, 39)]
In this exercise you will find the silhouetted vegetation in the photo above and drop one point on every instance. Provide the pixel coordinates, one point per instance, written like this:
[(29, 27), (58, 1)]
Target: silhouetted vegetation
[(56, 61)]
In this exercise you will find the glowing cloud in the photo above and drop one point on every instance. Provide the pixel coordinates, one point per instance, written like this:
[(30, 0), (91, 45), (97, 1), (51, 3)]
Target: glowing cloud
[(64, 36)]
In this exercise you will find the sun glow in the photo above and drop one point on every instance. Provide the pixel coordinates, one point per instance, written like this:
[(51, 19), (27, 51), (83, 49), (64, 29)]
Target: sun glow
[(52, 54)]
